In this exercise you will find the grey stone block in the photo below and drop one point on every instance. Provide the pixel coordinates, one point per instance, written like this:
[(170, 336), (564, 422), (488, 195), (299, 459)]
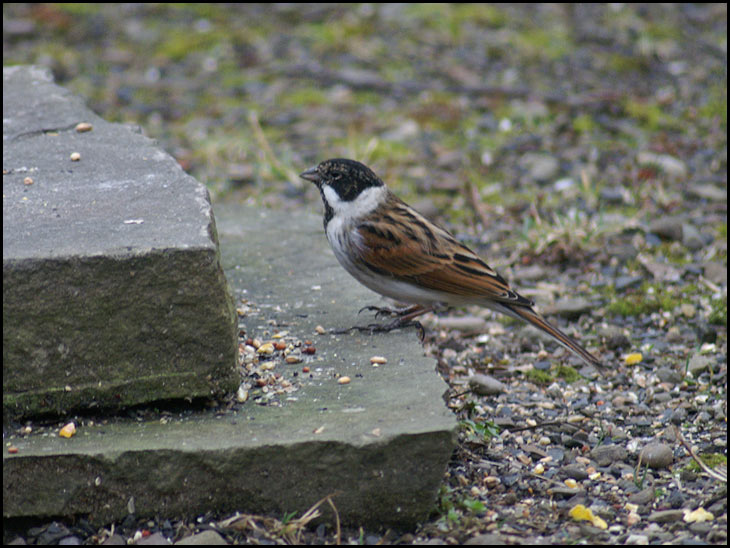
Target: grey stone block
[(113, 293)]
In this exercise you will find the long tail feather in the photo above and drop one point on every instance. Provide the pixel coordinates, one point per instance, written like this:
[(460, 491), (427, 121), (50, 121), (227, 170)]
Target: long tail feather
[(532, 317)]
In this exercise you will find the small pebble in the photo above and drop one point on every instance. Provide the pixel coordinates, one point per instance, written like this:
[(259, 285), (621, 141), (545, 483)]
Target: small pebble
[(486, 385), (657, 455), (28, 181), (75, 157)]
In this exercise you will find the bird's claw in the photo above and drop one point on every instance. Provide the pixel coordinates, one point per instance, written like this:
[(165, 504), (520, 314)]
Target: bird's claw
[(383, 328), (379, 311)]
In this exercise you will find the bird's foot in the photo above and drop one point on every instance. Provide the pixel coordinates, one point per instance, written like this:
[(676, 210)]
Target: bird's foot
[(384, 311), (384, 327), (403, 318)]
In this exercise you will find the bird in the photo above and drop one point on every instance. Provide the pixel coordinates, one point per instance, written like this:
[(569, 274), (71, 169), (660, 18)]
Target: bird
[(390, 248)]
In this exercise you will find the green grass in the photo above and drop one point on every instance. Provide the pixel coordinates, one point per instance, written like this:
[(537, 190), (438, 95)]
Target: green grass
[(718, 315)]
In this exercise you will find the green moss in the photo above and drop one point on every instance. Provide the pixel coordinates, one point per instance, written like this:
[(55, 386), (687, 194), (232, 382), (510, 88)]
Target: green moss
[(544, 43), (716, 104), (651, 115), (712, 460), (584, 124), (539, 376), (621, 63), (567, 373), (647, 299), (308, 96), (448, 18), (79, 9), (655, 297)]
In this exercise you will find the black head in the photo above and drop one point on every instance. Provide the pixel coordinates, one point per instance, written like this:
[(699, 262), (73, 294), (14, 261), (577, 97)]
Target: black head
[(346, 177)]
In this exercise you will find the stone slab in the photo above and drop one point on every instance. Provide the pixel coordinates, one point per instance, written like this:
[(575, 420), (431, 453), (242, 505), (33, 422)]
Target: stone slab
[(379, 444), (113, 293)]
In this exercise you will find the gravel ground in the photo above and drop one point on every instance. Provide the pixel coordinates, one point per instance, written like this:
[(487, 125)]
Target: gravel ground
[(581, 149)]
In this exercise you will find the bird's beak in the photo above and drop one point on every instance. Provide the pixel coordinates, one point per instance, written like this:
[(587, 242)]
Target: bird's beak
[(311, 175)]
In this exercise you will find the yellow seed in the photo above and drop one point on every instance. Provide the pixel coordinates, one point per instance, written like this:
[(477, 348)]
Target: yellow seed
[(266, 348), (68, 430), (378, 360), (83, 127), (633, 358), (344, 380)]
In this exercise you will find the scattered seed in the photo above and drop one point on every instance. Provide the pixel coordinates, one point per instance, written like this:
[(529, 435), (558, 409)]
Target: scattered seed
[(320, 330), (344, 380), (378, 360), (75, 157), (28, 181), (12, 449), (293, 359), (309, 350), (305, 369), (266, 348), (68, 430), (83, 127), (633, 359), (698, 516)]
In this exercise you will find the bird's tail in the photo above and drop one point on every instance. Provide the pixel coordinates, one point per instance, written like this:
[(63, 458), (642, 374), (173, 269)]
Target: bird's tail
[(534, 318)]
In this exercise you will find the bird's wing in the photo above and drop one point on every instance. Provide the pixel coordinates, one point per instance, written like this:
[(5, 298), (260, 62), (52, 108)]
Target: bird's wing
[(399, 242)]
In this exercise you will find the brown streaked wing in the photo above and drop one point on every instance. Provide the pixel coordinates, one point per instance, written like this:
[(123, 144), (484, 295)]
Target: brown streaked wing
[(404, 244)]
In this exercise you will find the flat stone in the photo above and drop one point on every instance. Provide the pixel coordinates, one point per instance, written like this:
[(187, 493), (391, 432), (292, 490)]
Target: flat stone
[(113, 292), (379, 445), (204, 538), (669, 228)]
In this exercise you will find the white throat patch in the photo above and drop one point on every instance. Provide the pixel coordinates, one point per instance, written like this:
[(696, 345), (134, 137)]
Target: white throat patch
[(366, 202)]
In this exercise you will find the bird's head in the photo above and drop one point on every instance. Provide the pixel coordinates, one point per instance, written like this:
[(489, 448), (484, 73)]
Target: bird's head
[(347, 179)]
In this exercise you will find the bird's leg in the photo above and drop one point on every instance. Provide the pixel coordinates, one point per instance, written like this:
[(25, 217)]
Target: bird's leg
[(385, 311), (404, 318)]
